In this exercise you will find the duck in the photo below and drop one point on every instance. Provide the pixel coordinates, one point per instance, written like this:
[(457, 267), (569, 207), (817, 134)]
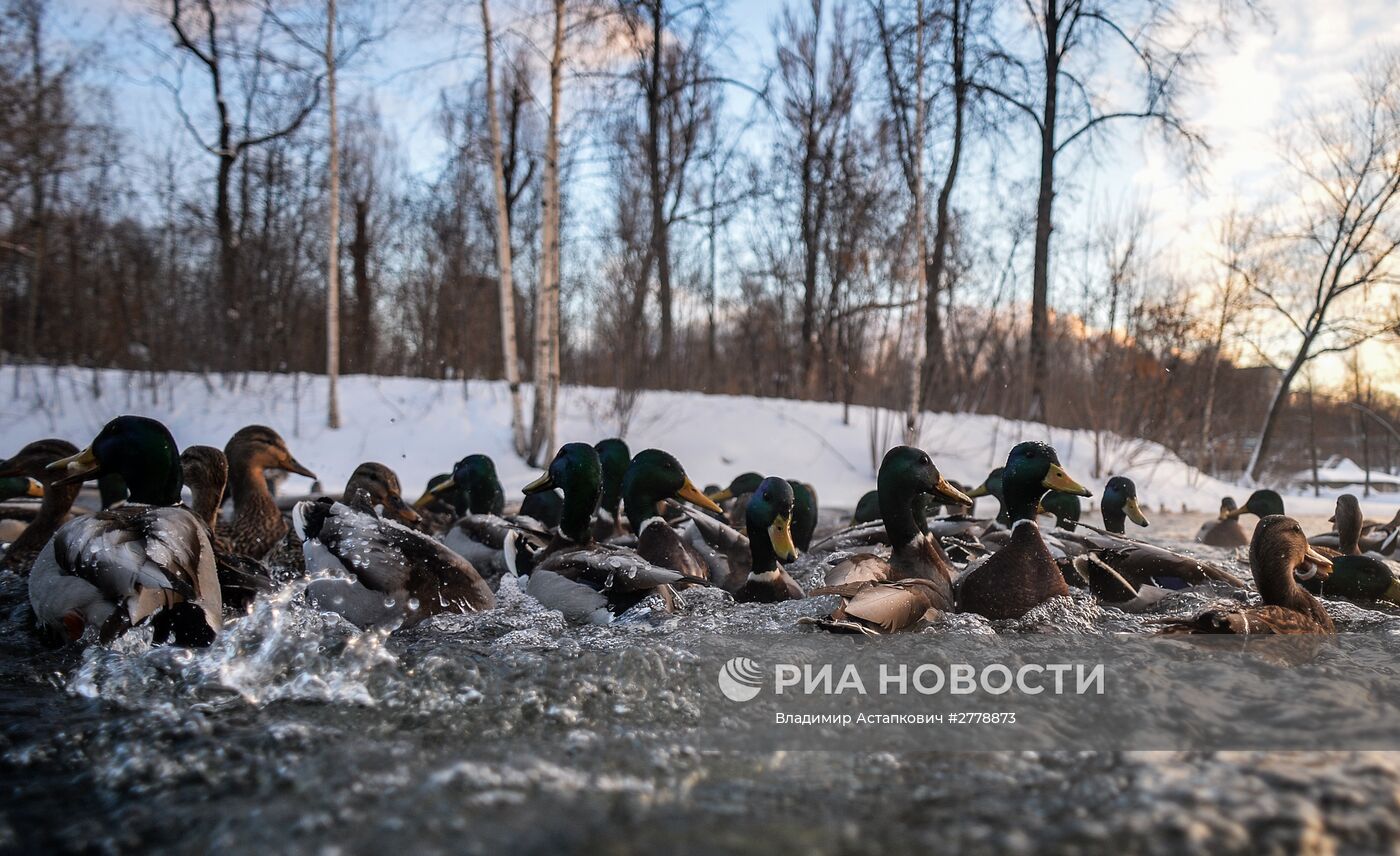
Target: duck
[(241, 578), (586, 580), (31, 463), (258, 528), (737, 496), (1278, 551), (439, 512), (1354, 575), (1064, 507), (148, 560), (992, 486), (1262, 503), (804, 513), (1143, 566), (873, 588), (1022, 574), (479, 535), (768, 515), (613, 456), (388, 573), (13, 521), (1225, 530), (653, 477)]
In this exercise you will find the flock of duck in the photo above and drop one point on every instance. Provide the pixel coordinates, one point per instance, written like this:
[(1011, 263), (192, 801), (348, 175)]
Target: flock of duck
[(602, 530)]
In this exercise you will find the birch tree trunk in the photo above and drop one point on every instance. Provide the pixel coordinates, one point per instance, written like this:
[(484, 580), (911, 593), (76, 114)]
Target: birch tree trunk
[(916, 361), (547, 295), (333, 239), (509, 357)]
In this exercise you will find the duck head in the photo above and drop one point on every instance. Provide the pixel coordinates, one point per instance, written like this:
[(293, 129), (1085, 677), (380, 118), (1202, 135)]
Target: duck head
[(614, 456), (1120, 502), (258, 447), (32, 463), (1277, 552), (742, 484), (992, 486), (1261, 503), (654, 476), (375, 487), (139, 449), (768, 518), (1031, 469), (1347, 519), (474, 479), (577, 470), (1227, 508), (804, 513), (906, 476), (1064, 506), (448, 498)]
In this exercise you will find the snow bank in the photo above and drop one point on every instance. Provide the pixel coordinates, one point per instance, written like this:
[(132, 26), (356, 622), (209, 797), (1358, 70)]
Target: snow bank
[(420, 427)]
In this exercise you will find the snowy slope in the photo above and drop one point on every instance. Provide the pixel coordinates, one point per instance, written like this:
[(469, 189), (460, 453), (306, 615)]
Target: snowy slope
[(419, 427)]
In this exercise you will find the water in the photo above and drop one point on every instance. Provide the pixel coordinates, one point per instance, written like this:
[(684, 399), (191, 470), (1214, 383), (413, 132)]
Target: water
[(298, 733)]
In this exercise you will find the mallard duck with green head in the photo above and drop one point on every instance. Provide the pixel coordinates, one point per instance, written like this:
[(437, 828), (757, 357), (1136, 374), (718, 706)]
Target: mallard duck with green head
[(907, 477), (805, 512), (735, 497), (150, 559), (1021, 575), (31, 464), (614, 457), (387, 573), (479, 536), (768, 521), (1278, 553), (914, 584), (653, 477), (992, 486), (587, 581)]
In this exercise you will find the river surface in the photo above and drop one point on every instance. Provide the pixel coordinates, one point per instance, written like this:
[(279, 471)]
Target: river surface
[(493, 733)]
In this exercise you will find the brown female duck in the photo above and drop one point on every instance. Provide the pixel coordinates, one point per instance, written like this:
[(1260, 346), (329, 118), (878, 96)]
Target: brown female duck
[(241, 578), (1278, 551), (32, 462), (258, 526), (1225, 530), (1021, 575)]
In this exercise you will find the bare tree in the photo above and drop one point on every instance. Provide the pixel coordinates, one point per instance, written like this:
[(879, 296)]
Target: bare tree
[(546, 366), (217, 45), (1068, 76), (509, 359), (333, 237), (1343, 244)]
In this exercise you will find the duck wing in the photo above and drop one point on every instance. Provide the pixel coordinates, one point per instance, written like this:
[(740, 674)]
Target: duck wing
[(145, 558)]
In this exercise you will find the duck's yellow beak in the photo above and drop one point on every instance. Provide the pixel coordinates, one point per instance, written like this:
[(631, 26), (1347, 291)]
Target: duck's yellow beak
[(544, 482), (722, 495), (1135, 511), (950, 493), (690, 493), (1392, 594), (1058, 479), (1318, 559), (780, 535), (75, 468), (980, 490), (292, 465), (1231, 515), (34, 488), (433, 492)]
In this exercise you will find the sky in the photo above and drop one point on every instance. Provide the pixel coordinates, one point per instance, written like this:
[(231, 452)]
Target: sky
[(1304, 52)]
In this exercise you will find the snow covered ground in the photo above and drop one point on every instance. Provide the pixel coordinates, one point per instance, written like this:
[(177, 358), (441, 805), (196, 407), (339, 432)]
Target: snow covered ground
[(420, 427)]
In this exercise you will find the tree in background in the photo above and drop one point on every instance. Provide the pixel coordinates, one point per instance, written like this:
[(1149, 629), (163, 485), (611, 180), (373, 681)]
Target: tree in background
[(1340, 232)]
